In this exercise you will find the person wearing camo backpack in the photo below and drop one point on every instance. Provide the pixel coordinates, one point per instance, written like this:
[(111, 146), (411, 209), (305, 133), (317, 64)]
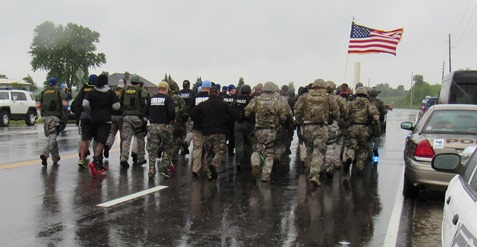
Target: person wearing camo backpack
[(362, 116), (312, 112), (268, 116)]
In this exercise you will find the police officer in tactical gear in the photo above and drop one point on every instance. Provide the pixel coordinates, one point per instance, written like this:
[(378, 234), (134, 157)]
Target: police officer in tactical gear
[(378, 103), (242, 129), (51, 102), (362, 116), (268, 115), (133, 99), (312, 112)]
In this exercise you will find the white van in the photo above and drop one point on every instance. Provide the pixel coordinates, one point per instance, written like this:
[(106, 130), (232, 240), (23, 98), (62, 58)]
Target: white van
[(459, 87)]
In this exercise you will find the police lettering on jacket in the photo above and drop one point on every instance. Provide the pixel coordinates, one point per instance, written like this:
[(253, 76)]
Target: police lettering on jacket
[(157, 101)]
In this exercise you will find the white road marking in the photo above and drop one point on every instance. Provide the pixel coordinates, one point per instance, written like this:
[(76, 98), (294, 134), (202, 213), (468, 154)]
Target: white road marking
[(130, 197), (393, 226)]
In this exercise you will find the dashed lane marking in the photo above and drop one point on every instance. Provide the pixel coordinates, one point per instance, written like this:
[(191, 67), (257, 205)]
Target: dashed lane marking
[(38, 161), (131, 197)]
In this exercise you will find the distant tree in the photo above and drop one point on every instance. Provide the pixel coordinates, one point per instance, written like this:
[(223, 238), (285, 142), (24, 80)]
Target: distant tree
[(241, 82), (418, 79), (62, 50), (291, 87), (2, 76), (400, 90), (29, 79)]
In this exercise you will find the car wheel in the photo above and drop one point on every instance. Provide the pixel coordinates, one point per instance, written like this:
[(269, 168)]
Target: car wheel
[(4, 119), (30, 118), (409, 190)]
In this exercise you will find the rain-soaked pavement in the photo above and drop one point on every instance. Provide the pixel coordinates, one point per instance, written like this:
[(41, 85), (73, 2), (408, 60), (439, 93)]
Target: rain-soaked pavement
[(58, 206)]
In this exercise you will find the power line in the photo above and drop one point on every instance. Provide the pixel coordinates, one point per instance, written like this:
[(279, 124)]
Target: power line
[(466, 26)]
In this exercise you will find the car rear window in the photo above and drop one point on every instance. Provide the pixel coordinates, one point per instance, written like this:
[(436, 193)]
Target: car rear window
[(3, 95), (452, 121)]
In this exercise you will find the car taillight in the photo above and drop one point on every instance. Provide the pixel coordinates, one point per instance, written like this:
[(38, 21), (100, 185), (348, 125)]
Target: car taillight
[(424, 150)]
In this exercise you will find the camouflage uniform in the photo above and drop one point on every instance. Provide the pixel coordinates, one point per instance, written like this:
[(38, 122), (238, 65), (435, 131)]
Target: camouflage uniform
[(133, 99), (362, 115), (281, 142), (214, 149), (182, 115), (378, 103), (116, 125), (335, 134), (312, 112), (50, 102), (159, 136), (268, 115)]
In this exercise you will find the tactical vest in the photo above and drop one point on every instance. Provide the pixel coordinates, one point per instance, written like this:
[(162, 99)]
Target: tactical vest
[(317, 107), (358, 110), (266, 111), (240, 103), (51, 102), (132, 101)]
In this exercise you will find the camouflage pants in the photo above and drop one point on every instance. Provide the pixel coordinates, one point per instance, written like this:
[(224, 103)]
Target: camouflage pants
[(178, 137), (51, 127), (315, 137), (358, 142), (333, 149), (243, 143), (263, 145), (159, 136), (116, 125), (280, 144), (214, 149), (132, 126)]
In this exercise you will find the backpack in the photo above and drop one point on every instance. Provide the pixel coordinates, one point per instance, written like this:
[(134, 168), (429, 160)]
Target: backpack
[(266, 111), (51, 102), (317, 107), (358, 110)]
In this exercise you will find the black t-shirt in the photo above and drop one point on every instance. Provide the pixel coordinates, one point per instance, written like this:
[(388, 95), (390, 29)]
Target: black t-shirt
[(101, 104), (161, 109), (186, 95)]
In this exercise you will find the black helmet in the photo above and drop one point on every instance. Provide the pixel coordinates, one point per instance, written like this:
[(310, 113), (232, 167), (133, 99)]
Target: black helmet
[(246, 89)]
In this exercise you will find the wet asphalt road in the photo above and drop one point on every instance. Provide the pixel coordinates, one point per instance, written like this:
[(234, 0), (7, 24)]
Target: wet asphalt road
[(57, 206)]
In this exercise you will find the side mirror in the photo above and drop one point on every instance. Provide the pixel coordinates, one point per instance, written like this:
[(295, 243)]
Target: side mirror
[(407, 126), (446, 162)]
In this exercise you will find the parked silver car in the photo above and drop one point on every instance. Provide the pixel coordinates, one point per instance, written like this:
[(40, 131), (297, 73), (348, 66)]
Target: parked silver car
[(446, 128)]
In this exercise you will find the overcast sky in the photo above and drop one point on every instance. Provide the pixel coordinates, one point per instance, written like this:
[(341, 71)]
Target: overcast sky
[(279, 40)]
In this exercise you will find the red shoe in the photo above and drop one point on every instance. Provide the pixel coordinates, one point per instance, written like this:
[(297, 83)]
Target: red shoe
[(171, 168), (92, 169)]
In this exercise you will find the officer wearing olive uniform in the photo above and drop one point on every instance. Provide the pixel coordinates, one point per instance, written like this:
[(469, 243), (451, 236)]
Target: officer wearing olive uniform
[(362, 116), (51, 102), (133, 99)]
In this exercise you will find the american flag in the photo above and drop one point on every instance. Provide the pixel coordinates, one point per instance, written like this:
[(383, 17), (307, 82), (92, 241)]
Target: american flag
[(368, 40)]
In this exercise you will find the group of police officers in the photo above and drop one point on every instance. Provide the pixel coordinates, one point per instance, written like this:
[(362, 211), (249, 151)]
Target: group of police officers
[(334, 126)]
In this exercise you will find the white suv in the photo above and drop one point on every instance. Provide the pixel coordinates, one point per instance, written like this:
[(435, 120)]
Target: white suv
[(17, 105)]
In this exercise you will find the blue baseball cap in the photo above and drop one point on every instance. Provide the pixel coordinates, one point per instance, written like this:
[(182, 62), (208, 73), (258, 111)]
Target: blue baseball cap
[(231, 86), (92, 79), (206, 84), (52, 81)]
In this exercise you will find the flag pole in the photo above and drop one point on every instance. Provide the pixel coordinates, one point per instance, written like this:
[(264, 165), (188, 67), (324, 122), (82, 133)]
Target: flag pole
[(346, 67), (347, 56)]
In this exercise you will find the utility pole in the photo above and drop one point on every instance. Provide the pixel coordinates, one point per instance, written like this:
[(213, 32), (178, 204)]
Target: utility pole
[(443, 68), (450, 68), (412, 78)]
